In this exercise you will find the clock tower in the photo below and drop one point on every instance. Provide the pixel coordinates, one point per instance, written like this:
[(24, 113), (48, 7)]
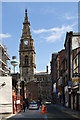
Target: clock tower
[(26, 52)]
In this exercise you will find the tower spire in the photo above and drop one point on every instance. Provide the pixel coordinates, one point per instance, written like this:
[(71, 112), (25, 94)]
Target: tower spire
[(26, 18), (26, 27)]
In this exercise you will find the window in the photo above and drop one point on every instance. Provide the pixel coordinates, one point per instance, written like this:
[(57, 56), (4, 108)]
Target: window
[(26, 60), (48, 79), (26, 71), (43, 79), (76, 62), (24, 79), (37, 79), (28, 79)]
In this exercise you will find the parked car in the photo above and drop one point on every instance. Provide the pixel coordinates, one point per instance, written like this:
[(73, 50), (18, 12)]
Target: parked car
[(48, 102), (33, 106)]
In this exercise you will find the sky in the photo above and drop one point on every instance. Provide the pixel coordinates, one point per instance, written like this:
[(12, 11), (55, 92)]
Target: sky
[(49, 22)]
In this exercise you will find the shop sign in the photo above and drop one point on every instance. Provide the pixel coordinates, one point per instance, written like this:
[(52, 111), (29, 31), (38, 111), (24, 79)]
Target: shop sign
[(75, 84), (76, 79), (18, 102)]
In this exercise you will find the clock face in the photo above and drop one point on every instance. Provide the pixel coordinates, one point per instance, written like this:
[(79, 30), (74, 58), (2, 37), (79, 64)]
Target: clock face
[(26, 42)]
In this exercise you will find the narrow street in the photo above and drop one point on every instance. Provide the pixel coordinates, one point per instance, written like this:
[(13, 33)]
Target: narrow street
[(54, 112)]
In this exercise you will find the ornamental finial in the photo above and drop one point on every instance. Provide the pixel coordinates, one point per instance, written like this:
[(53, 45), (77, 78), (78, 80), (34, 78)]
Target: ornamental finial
[(26, 10)]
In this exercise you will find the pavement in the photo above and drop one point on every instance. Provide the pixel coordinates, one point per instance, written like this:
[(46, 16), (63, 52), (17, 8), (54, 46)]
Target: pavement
[(68, 110), (6, 115), (60, 112)]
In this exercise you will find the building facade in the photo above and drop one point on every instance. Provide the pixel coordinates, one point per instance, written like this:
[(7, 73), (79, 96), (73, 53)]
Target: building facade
[(6, 105), (54, 76), (44, 86), (4, 57), (32, 91), (68, 72), (75, 91), (60, 80)]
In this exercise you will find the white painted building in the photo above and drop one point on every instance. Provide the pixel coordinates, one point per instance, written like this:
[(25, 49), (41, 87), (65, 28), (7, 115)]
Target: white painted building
[(6, 104), (4, 57)]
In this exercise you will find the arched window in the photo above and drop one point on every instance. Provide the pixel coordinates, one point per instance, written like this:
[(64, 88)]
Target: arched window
[(26, 60)]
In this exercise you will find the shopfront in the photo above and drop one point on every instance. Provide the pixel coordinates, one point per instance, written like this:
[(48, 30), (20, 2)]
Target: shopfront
[(75, 93)]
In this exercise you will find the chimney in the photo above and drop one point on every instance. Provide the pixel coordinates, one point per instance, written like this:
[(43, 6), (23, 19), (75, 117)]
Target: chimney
[(47, 69)]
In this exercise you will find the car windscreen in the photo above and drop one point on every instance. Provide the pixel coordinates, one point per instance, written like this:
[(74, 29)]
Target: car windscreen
[(33, 103)]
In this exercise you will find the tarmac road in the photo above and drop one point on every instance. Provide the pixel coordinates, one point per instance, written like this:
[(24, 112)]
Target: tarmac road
[(28, 114), (54, 113)]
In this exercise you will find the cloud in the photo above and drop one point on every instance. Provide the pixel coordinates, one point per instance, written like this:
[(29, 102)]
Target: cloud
[(40, 31), (59, 33), (5, 35), (55, 33), (70, 17)]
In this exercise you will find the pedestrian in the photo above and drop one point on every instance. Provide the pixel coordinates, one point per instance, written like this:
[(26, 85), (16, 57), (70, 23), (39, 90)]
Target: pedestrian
[(40, 102), (27, 103), (24, 106)]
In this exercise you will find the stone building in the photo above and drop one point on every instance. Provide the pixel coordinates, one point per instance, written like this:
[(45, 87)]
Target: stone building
[(44, 85), (26, 52), (39, 88), (32, 91)]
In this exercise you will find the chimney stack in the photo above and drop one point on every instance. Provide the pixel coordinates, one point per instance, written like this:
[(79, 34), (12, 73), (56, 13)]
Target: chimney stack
[(47, 69)]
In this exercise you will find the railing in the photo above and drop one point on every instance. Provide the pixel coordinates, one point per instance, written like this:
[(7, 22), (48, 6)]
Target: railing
[(17, 103)]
